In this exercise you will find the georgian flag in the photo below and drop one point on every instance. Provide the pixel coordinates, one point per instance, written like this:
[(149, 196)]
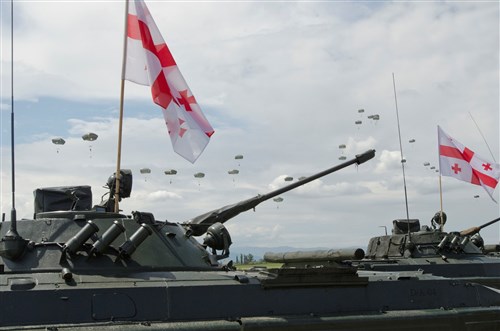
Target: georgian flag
[(456, 160), (149, 62)]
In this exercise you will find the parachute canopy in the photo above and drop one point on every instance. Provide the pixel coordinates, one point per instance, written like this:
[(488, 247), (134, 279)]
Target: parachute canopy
[(58, 141), (278, 199), (145, 171), (199, 175), (342, 146), (170, 172), (89, 136), (238, 157), (233, 172), (288, 179), (358, 122)]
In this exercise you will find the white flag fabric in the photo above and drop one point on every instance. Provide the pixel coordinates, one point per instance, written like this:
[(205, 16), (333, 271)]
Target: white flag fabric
[(149, 62), (456, 160)]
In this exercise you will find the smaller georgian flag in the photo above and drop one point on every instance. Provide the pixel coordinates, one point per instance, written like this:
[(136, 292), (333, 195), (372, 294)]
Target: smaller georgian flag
[(456, 160), (149, 62)]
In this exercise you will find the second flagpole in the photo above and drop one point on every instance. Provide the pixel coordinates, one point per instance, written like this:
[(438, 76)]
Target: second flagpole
[(120, 120)]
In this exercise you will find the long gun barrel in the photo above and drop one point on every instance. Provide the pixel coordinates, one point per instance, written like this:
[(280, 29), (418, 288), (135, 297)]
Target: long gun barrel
[(200, 224), (476, 229)]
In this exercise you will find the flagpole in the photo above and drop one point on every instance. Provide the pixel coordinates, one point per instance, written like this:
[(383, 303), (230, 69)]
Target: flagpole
[(441, 223), (120, 121)]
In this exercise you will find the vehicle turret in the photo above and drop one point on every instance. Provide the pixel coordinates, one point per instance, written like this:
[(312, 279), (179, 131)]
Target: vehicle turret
[(434, 251)]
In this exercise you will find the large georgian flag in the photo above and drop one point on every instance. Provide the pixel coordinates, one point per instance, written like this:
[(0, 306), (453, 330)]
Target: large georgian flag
[(456, 160), (149, 62)]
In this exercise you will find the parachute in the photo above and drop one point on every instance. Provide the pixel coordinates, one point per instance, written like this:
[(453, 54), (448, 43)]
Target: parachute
[(288, 179), (145, 171), (233, 172), (170, 172), (58, 141), (278, 200), (199, 175), (238, 157), (90, 137)]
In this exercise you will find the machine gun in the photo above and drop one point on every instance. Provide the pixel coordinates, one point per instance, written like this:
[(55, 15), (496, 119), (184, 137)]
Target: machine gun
[(476, 229), (199, 225)]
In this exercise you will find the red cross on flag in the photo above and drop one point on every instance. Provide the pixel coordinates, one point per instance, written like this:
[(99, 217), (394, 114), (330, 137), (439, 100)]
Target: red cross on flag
[(456, 160), (149, 62)]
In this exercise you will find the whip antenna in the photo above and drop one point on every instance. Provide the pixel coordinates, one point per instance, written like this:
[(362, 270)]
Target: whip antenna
[(12, 245), (478, 129), (401, 151)]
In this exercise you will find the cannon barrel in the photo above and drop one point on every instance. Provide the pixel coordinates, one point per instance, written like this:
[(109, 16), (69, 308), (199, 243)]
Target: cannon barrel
[(476, 229), (199, 224), (315, 256)]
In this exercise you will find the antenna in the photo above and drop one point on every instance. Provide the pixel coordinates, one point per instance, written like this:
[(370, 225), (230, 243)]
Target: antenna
[(13, 220), (401, 151), (12, 245), (478, 129)]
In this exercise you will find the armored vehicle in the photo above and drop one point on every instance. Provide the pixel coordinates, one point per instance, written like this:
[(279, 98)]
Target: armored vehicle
[(412, 247), (81, 267), (460, 254)]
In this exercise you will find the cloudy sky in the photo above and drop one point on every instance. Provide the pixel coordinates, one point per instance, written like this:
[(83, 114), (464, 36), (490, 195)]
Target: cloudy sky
[(281, 83)]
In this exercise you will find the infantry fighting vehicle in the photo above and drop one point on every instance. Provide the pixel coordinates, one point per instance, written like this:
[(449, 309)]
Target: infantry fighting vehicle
[(460, 254), (411, 247), (81, 267)]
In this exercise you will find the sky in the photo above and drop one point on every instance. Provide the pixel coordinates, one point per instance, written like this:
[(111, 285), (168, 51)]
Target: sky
[(282, 83)]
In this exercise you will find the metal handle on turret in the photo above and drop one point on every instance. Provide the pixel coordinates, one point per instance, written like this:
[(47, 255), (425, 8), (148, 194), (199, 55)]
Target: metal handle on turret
[(199, 224)]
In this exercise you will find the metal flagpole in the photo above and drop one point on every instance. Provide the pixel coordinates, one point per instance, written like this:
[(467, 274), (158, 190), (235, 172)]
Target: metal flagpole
[(120, 121), (441, 220), (441, 223)]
